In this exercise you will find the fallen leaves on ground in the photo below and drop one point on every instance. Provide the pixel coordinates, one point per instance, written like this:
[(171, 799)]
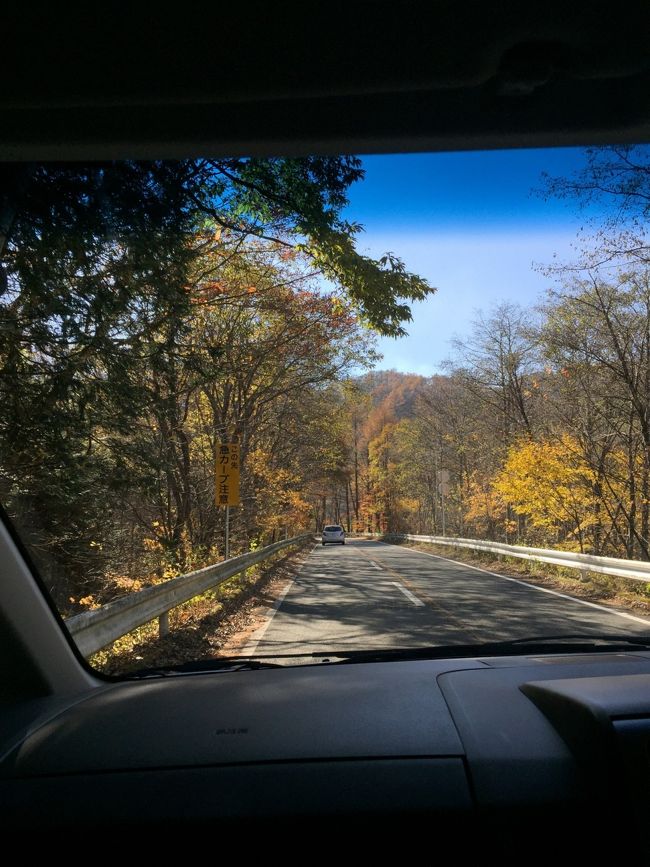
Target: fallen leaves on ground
[(199, 629)]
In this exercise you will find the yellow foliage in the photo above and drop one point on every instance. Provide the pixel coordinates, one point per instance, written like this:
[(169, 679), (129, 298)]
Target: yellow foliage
[(409, 504), (550, 482), (484, 503), (283, 505), (89, 602)]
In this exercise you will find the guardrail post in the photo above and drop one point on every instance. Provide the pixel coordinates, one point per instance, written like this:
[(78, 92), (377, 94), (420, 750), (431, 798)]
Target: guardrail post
[(163, 624)]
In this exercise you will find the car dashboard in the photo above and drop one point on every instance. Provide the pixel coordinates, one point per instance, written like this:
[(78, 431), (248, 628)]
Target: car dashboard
[(486, 755)]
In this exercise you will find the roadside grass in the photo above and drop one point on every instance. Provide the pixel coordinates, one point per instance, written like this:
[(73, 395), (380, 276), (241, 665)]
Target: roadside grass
[(622, 593), (194, 626)]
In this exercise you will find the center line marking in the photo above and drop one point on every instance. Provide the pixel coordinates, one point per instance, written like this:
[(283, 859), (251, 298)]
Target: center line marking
[(413, 598)]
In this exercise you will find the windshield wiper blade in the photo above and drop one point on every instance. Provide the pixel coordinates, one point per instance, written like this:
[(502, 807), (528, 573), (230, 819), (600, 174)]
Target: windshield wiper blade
[(226, 663), (222, 663), (609, 638), (573, 643), (546, 644)]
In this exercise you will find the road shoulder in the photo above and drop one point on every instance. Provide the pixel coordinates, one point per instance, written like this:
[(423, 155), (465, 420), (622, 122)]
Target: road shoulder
[(620, 595)]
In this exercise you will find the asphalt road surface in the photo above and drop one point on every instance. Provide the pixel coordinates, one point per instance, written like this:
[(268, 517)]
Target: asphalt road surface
[(368, 594)]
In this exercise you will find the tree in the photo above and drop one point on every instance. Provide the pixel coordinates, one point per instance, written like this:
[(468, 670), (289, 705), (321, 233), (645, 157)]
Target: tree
[(552, 485), (616, 180), (117, 284), (597, 334), (94, 259), (495, 363), (299, 202)]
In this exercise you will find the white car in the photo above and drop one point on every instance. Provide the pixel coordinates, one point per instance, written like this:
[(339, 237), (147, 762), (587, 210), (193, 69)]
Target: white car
[(333, 533)]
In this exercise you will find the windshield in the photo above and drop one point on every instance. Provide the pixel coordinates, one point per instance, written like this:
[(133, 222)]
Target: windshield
[(442, 358)]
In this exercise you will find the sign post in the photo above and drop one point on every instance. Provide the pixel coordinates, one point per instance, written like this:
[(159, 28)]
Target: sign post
[(227, 482)]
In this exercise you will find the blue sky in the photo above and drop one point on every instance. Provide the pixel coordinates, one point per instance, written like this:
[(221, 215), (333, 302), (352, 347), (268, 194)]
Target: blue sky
[(470, 223)]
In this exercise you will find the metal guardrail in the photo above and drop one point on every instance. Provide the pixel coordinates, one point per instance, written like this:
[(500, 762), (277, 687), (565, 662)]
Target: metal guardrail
[(638, 570), (94, 630)]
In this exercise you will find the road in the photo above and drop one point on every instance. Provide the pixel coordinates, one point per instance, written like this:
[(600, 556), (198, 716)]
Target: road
[(368, 594)]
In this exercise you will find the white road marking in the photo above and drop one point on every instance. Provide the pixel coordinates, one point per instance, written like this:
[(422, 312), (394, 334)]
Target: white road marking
[(370, 562), (251, 648), (258, 635), (411, 596), (643, 620)]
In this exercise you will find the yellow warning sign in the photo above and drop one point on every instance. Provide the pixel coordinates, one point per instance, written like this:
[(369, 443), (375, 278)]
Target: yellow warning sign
[(227, 475)]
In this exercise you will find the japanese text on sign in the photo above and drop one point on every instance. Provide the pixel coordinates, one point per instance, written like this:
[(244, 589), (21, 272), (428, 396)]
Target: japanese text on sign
[(227, 475)]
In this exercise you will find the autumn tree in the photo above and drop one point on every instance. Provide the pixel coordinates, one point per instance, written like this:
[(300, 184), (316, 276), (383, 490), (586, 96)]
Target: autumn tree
[(597, 334), (100, 267), (552, 484)]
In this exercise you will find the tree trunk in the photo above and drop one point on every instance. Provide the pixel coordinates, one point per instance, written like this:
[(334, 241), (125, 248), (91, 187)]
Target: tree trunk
[(347, 503)]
